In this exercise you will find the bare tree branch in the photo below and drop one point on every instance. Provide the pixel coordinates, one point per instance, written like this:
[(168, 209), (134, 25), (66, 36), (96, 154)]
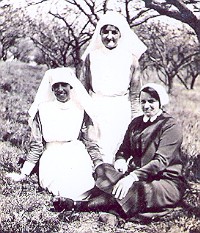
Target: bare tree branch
[(90, 15), (36, 3), (178, 10)]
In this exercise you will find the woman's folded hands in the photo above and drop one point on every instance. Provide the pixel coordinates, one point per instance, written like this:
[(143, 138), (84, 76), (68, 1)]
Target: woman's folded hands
[(122, 187)]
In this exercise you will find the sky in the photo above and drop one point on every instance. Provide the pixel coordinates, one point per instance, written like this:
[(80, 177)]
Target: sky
[(54, 7)]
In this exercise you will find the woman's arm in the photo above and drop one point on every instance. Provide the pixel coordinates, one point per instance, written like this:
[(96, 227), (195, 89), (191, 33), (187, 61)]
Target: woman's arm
[(124, 151), (88, 136), (36, 142), (36, 150), (135, 86), (86, 74)]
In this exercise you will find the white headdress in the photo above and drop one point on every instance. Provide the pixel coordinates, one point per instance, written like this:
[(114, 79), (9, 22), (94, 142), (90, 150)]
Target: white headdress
[(161, 91), (128, 41), (66, 75)]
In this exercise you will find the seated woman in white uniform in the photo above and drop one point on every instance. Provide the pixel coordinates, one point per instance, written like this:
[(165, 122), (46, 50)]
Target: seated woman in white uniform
[(56, 118)]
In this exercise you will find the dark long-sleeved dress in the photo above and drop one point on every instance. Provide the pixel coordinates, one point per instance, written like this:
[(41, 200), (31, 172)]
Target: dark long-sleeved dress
[(154, 151)]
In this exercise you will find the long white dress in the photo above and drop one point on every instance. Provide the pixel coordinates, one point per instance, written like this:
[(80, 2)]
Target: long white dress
[(110, 83), (110, 74), (65, 167)]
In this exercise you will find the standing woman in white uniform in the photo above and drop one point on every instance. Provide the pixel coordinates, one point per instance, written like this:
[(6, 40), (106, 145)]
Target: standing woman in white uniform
[(111, 74), (56, 117)]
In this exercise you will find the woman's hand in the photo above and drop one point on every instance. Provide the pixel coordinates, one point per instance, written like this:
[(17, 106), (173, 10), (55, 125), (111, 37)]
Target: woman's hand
[(121, 165), (16, 177), (122, 187)]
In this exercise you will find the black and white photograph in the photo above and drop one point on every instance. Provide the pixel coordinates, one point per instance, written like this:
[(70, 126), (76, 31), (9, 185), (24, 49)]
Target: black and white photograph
[(99, 116)]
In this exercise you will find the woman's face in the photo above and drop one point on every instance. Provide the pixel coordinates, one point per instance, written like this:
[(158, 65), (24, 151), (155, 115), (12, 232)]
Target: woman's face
[(150, 106), (61, 91), (110, 36)]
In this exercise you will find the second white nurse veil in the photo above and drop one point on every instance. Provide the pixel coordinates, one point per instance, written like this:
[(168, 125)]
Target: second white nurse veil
[(128, 41)]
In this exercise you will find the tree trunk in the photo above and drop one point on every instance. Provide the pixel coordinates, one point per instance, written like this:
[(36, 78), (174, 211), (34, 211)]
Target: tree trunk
[(193, 81), (170, 84), (196, 28)]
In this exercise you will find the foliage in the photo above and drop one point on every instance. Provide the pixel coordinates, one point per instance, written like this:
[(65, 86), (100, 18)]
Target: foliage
[(186, 111), (11, 27), (60, 32), (184, 11), (24, 207), (17, 86), (54, 41), (171, 54), (25, 50)]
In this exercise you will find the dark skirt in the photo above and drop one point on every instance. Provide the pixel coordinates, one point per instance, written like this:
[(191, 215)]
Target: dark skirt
[(143, 196)]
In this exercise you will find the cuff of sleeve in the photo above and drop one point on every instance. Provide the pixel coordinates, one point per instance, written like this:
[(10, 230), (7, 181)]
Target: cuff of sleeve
[(119, 156), (135, 177), (97, 163), (121, 159), (27, 168)]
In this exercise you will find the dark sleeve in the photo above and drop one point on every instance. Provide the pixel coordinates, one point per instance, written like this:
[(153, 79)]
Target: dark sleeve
[(125, 148), (90, 144), (86, 74), (36, 142), (167, 151)]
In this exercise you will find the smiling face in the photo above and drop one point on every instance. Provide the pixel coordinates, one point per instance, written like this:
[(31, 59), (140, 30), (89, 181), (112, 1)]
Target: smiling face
[(61, 91), (110, 36), (150, 105)]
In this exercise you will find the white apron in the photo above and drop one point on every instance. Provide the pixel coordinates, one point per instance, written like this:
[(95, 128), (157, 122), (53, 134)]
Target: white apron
[(115, 118), (110, 83), (65, 167)]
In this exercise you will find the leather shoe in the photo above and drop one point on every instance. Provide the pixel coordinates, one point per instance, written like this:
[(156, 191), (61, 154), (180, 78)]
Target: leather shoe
[(61, 203)]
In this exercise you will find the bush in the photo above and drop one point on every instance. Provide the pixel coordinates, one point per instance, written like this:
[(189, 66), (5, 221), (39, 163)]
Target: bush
[(18, 86)]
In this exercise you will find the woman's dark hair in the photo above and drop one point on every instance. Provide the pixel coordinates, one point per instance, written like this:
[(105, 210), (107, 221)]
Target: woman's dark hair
[(151, 92), (105, 26)]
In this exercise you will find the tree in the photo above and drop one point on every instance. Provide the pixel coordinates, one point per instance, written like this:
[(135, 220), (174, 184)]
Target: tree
[(65, 31), (10, 28), (24, 50), (62, 35), (179, 10), (191, 72), (171, 54), (52, 42)]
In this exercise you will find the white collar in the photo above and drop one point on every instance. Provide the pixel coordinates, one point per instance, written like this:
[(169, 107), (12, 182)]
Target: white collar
[(63, 106), (153, 118)]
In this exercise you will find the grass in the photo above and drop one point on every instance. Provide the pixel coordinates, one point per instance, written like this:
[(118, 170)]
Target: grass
[(24, 207)]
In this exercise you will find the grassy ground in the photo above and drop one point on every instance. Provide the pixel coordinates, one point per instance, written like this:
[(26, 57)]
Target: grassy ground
[(24, 207)]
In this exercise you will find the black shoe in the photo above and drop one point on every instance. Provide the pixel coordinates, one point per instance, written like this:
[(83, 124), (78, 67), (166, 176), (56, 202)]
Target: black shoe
[(81, 206), (63, 204)]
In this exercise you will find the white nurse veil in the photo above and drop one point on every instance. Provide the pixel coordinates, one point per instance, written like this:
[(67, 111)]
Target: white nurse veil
[(78, 92), (128, 41), (161, 91)]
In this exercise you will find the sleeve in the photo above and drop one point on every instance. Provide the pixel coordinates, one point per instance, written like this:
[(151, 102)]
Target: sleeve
[(168, 148), (124, 151), (90, 142), (36, 146), (86, 74), (135, 86)]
